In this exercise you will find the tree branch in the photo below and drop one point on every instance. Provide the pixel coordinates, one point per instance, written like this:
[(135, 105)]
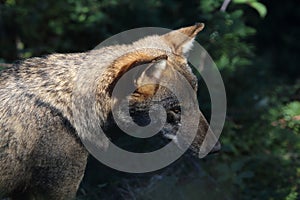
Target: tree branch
[(225, 5)]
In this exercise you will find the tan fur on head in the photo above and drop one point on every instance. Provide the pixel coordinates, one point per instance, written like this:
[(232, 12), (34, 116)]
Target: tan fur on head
[(132, 59)]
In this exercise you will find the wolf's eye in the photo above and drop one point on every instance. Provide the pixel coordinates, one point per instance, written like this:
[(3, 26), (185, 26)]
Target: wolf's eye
[(177, 111), (173, 117)]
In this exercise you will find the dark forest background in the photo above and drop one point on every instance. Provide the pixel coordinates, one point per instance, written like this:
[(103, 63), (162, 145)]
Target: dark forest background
[(256, 47)]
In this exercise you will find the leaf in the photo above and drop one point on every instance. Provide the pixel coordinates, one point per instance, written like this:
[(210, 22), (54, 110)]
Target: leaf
[(240, 1), (259, 7)]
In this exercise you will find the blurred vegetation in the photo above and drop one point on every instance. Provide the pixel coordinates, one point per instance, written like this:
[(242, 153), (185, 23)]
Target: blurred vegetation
[(256, 47)]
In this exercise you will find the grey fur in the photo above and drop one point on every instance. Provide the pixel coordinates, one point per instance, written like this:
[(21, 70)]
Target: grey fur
[(41, 155)]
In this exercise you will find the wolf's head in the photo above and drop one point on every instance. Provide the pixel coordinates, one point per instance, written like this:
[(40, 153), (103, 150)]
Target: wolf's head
[(157, 69), (164, 60)]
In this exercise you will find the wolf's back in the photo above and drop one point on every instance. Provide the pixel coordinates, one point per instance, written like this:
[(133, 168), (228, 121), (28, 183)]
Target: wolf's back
[(37, 141)]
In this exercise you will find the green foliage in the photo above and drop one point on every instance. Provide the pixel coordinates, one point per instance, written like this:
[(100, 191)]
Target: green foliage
[(293, 195), (225, 35), (259, 7), (290, 114), (257, 54)]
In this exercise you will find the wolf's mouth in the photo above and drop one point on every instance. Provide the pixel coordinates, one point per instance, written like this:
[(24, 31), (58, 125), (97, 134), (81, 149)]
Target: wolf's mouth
[(193, 148)]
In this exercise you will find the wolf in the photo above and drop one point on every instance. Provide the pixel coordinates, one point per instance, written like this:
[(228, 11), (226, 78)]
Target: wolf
[(41, 151)]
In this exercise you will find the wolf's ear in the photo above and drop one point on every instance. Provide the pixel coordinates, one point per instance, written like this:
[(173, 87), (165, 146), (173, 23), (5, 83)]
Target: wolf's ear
[(152, 74), (181, 40), (154, 58)]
